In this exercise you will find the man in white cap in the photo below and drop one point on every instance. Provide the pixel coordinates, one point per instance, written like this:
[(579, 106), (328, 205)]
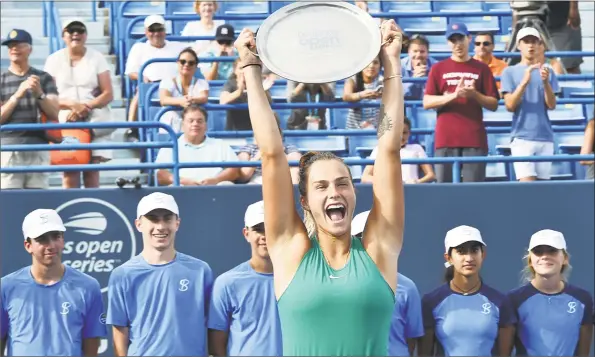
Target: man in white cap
[(158, 300), (48, 308), (156, 46), (243, 318), (407, 320), (529, 89)]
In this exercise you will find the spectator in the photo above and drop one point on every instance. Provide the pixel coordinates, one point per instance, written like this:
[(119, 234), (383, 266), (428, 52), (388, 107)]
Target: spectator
[(564, 25), (459, 88), (223, 48), (182, 90), (410, 173), (25, 92), (234, 92), (552, 63), (195, 146), (365, 86), (206, 26), (529, 89), (416, 65), (155, 47), (313, 118), (484, 52), (85, 85), (253, 175), (589, 147)]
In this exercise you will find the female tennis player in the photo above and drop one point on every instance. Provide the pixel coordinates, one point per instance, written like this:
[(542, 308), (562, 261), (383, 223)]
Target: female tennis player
[(465, 317), (554, 317), (335, 294)]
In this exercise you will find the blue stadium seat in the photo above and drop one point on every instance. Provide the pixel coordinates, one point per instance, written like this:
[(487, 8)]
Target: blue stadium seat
[(562, 171), (179, 8), (279, 91), (496, 5), (425, 119), (215, 92), (582, 90), (499, 144), (245, 7), (276, 5), (143, 8), (283, 115), (334, 144), (438, 43), (479, 23), (238, 25), (501, 117), (362, 145), (496, 171), (569, 114), (569, 143), (406, 6), (500, 42), (356, 170), (217, 119), (339, 118), (423, 25), (458, 6)]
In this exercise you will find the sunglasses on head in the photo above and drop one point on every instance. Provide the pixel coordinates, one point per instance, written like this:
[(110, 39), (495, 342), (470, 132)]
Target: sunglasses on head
[(76, 29), (183, 62), (484, 43)]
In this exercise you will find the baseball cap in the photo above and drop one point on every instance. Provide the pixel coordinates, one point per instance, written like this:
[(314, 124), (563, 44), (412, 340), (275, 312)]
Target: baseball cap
[(254, 214), (457, 28), (225, 32), (460, 235), (156, 200), (69, 22), (525, 32), (359, 223), (548, 237), (41, 221), (154, 19), (17, 35)]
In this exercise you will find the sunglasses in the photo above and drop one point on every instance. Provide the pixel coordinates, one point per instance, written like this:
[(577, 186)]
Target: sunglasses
[(485, 43), (156, 29), (224, 43), (183, 62), (76, 29)]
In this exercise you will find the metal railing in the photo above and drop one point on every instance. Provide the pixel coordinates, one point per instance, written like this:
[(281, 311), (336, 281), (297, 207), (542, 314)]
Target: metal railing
[(173, 144)]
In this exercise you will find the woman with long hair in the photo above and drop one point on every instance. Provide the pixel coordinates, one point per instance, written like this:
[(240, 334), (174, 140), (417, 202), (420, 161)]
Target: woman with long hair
[(335, 293), (555, 318), (464, 316)]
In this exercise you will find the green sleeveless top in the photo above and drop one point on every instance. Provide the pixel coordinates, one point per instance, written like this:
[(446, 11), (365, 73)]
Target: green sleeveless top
[(328, 312)]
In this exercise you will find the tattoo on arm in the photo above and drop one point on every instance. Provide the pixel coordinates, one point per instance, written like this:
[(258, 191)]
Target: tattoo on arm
[(385, 124)]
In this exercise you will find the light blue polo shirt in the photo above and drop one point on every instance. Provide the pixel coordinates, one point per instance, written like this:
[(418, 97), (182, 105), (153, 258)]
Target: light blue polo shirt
[(210, 150)]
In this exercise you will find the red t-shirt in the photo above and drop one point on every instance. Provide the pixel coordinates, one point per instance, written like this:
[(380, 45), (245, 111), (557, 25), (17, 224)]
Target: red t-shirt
[(460, 123)]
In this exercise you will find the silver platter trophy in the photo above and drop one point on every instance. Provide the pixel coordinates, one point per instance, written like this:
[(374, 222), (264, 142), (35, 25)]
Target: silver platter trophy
[(318, 42)]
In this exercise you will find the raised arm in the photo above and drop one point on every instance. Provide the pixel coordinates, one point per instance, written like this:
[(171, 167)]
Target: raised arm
[(282, 221), (383, 235)]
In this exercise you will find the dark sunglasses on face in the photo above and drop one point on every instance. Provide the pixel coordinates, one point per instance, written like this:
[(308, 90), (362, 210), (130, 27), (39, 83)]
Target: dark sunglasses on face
[(76, 29), (224, 43), (156, 29), (183, 62), (485, 43)]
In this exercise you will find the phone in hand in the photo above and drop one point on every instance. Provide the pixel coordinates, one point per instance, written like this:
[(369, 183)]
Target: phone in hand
[(379, 88)]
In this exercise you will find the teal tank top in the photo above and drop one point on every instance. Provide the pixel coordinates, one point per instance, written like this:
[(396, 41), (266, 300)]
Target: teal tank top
[(328, 312)]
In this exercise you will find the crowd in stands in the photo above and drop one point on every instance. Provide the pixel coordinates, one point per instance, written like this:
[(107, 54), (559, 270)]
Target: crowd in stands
[(458, 88)]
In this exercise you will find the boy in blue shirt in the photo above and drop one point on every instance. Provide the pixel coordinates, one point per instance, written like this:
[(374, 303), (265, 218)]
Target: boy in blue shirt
[(243, 317), (407, 320), (48, 308), (158, 300), (529, 89)]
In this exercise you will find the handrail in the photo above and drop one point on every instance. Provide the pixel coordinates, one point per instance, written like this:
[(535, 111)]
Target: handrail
[(92, 167), (93, 10)]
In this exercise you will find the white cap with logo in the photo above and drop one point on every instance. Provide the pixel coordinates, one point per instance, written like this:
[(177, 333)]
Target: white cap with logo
[(254, 214), (359, 223), (548, 237), (460, 235), (154, 19), (156, 200), (41, 221), (525, 32)]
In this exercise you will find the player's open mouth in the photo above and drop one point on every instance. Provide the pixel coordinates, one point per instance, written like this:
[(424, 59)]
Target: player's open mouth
[(160, 236), (335, 211)]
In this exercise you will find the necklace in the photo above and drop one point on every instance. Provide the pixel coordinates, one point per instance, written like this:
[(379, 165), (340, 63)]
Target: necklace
[(331, 275), (465, 292)]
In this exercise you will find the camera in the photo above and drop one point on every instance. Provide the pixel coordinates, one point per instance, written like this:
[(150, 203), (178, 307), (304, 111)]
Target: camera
[(121, 182)]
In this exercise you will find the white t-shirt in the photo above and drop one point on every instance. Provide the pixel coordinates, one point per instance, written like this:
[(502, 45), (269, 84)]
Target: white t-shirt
[(409, 151), (141, 52), (196, 28), (210, 150), (196, 86)]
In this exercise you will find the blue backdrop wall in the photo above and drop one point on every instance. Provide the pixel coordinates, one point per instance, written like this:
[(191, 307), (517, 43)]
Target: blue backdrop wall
[(101, 233)]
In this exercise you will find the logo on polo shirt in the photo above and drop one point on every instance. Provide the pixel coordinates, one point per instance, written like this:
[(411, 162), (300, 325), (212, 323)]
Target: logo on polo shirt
[(571, 307), (102, 318), (487, 308), (99, 237)]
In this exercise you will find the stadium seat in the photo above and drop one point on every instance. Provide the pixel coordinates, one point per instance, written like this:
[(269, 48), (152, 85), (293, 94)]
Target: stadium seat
[(279, 92), (501, 117), (217, 119), (241, 24), (362, 145), (276, 5), (334, 144), (215, 91), (569, 143), (356, 170), (569, 114), (458, 6), (339, 118), (245, 7), (496, 171), (499, 144), (479, 23), (143, 8), (423, 25), (406, 6), (179, 8), (562, 171), (496, 5), (283, 115)]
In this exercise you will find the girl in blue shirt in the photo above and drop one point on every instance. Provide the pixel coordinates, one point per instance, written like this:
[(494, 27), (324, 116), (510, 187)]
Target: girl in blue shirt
[(465, 317), (554, 317)]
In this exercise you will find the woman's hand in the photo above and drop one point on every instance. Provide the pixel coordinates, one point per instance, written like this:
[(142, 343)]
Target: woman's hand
[(245, 44), (392, 39)]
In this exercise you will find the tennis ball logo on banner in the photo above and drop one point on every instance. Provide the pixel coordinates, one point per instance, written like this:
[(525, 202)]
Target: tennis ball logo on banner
[(99, 237)]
